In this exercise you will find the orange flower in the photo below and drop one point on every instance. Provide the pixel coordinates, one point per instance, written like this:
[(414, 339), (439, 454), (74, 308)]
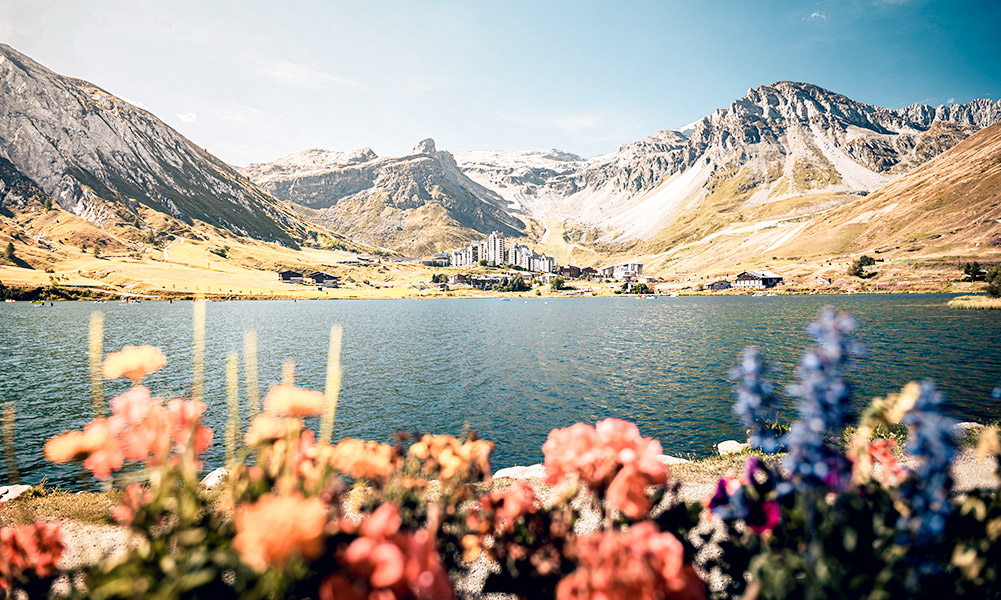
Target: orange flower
[(134, 362), (96, 443), (105, 452), (444, 455), (277, 527), (65, 447), (364, 460), (265, 428), (290, 401)]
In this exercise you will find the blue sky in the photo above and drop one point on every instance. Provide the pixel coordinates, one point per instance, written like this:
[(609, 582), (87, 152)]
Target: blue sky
[(251, 80)]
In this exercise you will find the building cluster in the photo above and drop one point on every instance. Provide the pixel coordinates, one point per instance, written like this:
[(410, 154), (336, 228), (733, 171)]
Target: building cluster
[(494, 251), (320, 278), (748, 279)]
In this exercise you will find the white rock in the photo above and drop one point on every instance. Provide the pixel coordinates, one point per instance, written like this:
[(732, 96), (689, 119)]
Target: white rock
[(9, 492), (960, 429), (215, 477), (672, 460), (536, 471), (730, 447)]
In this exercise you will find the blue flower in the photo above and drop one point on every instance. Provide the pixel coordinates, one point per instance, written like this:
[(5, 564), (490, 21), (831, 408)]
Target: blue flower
[(824, 404), (756, 401), (928, 489)]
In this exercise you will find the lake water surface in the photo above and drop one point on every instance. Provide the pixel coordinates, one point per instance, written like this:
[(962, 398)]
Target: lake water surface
[(511, 370)]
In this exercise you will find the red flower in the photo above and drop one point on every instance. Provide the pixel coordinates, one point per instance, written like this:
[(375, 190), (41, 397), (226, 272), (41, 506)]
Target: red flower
[(28, 549)]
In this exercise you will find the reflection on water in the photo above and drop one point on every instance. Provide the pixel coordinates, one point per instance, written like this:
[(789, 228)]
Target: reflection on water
[(510, 370)]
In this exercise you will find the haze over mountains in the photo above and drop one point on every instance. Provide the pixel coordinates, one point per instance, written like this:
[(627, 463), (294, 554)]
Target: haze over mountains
[(103, 158), (782, 153)]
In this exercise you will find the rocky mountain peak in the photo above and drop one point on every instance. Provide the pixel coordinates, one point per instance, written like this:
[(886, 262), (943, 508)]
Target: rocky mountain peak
[(425, 146)]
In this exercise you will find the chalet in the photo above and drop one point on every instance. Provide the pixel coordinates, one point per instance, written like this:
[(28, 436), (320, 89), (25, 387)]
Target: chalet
[(607, 272), (457, 279), (570, 272), (716, 286), (627, 271), (323, 278), (588, 272), (757, 279), (442, 259), (289, 276)]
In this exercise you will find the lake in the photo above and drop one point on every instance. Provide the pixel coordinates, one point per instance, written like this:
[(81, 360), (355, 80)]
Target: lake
[(511, 370)]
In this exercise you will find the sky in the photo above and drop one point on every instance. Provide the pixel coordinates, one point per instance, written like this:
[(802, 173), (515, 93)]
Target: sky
[(251, 81)]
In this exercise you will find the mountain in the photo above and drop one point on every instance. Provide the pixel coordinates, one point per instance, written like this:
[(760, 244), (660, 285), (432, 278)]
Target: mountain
[(778, 142), (919, 227), (419, 203), (103, 159)]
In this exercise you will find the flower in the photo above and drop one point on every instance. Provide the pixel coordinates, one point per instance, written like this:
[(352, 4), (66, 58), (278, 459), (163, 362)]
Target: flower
[(290, 401), (185, 423), (34, 548), (610, 457), (265, 429), (881, 452), (134, 362), (756, 401), (383, 562), (272, 530), (637, 563), (96, 444), (824, 403), (444, 456), (145, 429), (927, 491), (364, 460)]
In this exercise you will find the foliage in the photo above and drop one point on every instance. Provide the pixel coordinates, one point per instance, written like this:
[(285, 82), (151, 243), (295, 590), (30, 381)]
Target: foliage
[(857, 268), (845, 520), (640, 288), (222, 252), (972, 271), (9, 252), (300, 517), (557, 284), (514, 284), (994, 282)]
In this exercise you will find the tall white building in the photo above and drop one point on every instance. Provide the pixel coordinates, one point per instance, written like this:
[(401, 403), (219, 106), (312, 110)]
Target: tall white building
[(495, 249)]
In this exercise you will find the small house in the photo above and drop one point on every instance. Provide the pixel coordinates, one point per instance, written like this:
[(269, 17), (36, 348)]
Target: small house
[(457, 279), (757, 279), (323, 278), (288, 276), (588, 272), (570, 272), (717, 286)]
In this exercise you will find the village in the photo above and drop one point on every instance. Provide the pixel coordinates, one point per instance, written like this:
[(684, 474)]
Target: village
[(490, 265)]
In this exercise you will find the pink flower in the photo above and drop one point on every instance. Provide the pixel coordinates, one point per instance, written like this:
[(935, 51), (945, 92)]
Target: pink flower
[(638, 563), (278, 527), (185, 421), (772, 515), (612, 457)]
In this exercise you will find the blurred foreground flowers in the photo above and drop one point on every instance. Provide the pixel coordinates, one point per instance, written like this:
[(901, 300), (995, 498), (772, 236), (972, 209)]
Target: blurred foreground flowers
[(420, 517)]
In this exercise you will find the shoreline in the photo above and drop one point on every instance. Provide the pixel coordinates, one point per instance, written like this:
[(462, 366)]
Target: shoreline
[(71, 294)]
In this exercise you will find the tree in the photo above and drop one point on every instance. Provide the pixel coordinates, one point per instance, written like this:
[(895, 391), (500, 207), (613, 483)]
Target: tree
[(640, 288), (994, 282), (9, 252), (972, 270), (97, 251), (483, 262), (557, 284), (857, 268)]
